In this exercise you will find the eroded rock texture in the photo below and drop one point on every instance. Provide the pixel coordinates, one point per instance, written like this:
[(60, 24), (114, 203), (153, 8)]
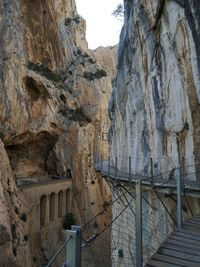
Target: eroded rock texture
[(53, 102), (155, 102), (156, 99)]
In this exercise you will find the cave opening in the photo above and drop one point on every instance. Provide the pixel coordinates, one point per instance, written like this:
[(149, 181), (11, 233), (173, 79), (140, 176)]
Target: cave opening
[(33, 156)]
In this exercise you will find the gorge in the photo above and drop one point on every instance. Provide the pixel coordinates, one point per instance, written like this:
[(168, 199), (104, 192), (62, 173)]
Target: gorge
[(55, 95)]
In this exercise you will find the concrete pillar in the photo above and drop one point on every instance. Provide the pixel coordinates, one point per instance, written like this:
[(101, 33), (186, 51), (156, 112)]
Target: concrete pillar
[(56, 208), (47, 210)]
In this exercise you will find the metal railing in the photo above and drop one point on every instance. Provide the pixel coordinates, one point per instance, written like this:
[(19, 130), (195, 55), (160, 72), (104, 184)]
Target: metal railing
[(72, 249), (179, 179), (145, 194)]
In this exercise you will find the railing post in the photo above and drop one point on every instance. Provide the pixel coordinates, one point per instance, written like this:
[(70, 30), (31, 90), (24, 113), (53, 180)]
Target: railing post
[(179, 199), (152, 181), (129, 165), (138, 224), (115, 167), (73, 248), (109, 165), (78, 244)]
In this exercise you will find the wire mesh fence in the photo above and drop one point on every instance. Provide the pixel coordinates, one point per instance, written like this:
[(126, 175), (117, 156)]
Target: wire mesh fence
[(113, 242)]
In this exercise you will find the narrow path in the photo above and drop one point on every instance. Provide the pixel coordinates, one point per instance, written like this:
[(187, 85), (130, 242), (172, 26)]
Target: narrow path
[(182, 248)]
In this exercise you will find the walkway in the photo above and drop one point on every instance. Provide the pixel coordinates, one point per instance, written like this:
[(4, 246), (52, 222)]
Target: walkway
[(160, 181), (182, 248)]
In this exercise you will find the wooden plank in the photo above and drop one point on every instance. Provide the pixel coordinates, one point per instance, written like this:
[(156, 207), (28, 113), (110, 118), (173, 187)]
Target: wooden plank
[(180, 255), (196, 218), (192, 224), (182, 244), (187, 250), (187, 234), (192, 220), (158, 263), (185, 240), (191, 228), (175, 260)]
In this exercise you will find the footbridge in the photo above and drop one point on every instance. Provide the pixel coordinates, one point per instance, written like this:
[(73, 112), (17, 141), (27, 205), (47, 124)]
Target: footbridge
[(181, 244)]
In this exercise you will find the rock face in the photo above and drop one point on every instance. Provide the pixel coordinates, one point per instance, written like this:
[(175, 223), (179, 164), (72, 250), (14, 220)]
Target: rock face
[(53, 107), (155, 101)]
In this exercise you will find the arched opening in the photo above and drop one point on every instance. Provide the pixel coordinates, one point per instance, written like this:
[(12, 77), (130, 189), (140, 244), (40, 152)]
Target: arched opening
[(43, 207), (69, 173), (68, 200), (52, 206), (60, 204)]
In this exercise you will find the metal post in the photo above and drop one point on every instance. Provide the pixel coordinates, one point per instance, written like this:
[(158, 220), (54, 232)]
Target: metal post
[(73, 248), (138, 225), (109, 165), (115, 167), (78, 244), (129, 168), (179, 199), (152, 181)]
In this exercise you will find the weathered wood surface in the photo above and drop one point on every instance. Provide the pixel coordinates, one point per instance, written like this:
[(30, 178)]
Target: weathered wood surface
[(182, 248)]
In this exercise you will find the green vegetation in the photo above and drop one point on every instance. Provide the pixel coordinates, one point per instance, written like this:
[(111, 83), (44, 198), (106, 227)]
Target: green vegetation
[(119, 12), (69, 220), (98, 74), (63, 98), (186, 126), (79, 115), (23, 217), (69, 20), (45, 71), (105, 204), (120, 253)]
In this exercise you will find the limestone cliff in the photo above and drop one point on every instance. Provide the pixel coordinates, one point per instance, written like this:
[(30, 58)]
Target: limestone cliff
[(53, 100), (155, 101)]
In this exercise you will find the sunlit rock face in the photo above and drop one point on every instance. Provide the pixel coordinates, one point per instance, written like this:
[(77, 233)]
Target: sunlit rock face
[(155, 101), (53, 107)]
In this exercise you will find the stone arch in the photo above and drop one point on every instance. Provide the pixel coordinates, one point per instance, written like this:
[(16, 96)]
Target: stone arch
[(68, 200), (43, 210), (52, 207), (60, 204)]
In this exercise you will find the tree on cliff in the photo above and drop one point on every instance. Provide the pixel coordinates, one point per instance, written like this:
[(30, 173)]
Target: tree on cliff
[(119, 12)]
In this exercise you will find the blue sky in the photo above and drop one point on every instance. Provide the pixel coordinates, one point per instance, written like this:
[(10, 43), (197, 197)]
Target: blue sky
[(102, 28)]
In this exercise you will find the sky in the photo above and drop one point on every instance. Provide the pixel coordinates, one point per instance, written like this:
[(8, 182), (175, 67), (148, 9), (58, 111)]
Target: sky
[(103, 29)]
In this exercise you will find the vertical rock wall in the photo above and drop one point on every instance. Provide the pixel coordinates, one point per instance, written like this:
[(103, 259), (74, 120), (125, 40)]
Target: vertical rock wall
[(155, 101), (53, 102)]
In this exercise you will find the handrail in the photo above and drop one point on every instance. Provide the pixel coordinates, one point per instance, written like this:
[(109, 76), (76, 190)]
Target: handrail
[(59, 251)]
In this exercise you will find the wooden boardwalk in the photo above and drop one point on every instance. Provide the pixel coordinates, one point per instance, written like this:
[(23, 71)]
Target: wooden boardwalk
[(160, 181), (182, 248)]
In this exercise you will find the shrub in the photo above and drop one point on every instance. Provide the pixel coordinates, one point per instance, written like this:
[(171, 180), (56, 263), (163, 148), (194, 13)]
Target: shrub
[(186, 126), (120, 253), (69, 220), (77, 19), (98, 74), (105, 204), (68, 21), (79, 115), (23, 217), (25, 238), (45, 71), (63, 98)]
